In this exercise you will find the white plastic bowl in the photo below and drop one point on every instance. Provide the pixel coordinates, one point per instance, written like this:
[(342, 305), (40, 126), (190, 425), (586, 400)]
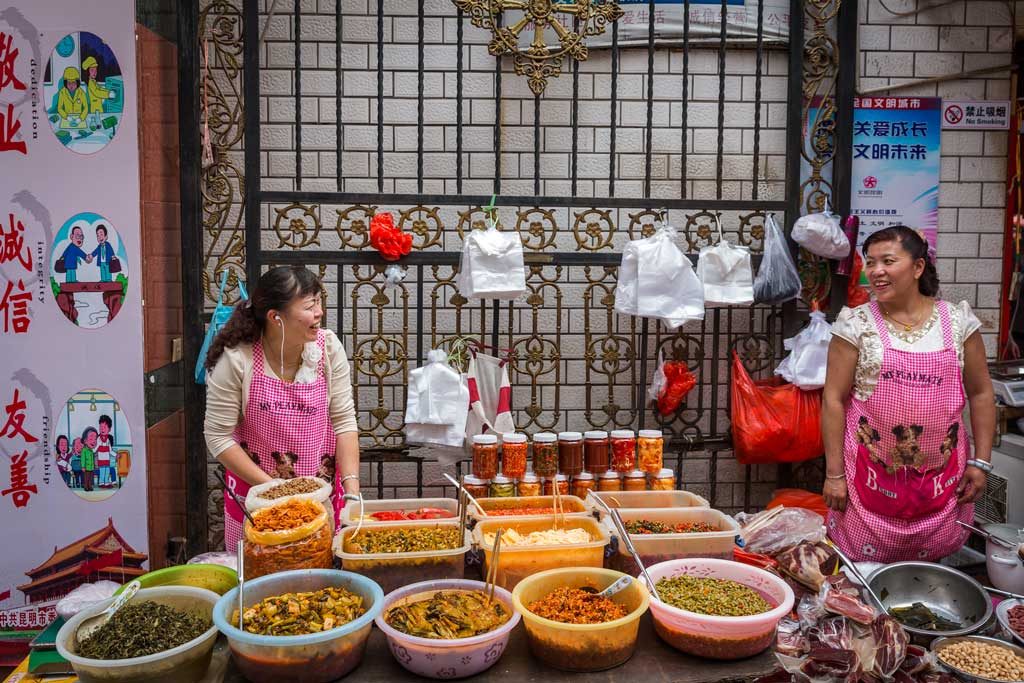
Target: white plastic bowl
[(183, 664), (437, 658), (717, 637)]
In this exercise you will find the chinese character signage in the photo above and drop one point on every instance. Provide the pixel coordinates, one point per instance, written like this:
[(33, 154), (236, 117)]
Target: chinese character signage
[(976, 115), (896, 164), (72, 457), (705, 21)]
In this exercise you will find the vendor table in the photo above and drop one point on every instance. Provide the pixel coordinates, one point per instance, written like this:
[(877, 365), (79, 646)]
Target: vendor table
[(653, 662)]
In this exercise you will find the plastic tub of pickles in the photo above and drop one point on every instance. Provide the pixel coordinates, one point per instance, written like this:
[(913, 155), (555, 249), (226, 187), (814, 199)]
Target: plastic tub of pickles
[(308, 626), (399, 554), (447, 629)]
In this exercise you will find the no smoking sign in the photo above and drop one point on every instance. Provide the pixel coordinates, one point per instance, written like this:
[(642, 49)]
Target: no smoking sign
[(976, 115)]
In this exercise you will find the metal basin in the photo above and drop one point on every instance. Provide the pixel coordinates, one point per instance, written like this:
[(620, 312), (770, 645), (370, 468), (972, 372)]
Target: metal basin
[(945, 591)]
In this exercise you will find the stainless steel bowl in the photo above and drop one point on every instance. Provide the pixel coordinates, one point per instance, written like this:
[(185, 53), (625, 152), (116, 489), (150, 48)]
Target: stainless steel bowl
[(941, 643), (947, 592)]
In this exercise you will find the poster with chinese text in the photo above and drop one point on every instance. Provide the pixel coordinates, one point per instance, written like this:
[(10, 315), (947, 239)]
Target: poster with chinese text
[(72, 426), (705, 22)]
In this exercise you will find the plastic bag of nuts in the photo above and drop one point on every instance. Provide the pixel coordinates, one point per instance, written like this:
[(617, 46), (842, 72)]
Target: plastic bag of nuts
[(983, 659)]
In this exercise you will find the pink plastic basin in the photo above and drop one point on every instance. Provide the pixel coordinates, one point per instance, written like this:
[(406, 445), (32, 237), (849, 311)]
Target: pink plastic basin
[(720, 637), (435, 658)]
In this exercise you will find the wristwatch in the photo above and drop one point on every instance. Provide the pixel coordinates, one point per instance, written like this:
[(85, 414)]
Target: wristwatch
[(985, 467)]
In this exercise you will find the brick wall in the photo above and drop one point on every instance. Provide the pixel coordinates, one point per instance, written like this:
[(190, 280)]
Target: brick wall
[(162, 286), (972, 194)]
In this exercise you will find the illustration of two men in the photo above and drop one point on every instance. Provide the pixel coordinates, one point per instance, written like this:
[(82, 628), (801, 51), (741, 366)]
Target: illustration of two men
[(74, 254)]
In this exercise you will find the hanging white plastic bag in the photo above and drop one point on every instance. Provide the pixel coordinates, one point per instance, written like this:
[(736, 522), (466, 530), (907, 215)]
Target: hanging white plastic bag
[(821, 234), (437, 403), (492, 265), (778, 280), (808, 354), (656, 280), (726, 272)]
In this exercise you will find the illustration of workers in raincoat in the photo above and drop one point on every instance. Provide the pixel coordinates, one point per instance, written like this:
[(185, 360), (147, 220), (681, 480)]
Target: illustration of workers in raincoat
[(71, 102), (97, 93)]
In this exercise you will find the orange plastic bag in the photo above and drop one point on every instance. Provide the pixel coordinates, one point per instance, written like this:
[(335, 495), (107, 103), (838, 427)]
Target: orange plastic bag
[(799, 498), (773, 421)]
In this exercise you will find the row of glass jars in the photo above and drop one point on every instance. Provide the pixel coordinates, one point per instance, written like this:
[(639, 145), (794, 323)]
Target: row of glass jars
[(569, 453), (530, 484)]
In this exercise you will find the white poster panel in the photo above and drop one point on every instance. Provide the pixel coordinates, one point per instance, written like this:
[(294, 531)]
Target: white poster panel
[(72, 428)]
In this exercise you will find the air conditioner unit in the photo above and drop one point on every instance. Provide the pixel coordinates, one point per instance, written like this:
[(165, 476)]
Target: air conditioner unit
[(1003, 500)]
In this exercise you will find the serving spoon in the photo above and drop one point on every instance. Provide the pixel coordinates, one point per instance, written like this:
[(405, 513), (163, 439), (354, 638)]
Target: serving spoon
[(89, 627)]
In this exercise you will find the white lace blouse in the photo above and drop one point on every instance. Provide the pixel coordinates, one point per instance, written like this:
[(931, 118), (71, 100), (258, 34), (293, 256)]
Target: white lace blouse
[(857, 326)]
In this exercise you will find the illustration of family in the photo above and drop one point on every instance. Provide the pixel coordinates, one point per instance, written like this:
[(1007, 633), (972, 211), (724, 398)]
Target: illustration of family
[(90, 461), (103, 254)]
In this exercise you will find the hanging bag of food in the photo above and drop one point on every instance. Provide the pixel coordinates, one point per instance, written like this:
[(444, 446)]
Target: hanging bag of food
[(821, 234), (772, 421), (671, 383), (290, 535), (778, 280), (492, 265), (726, 272), (221, 314), (808, 354), (656, 280)]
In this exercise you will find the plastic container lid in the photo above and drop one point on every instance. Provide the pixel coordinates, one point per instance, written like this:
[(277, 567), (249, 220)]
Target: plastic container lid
[(651, 434), (622, 434), (545, 437), (636, 474), (610, 474), (485, 439), (513, 437), (501, 479), (665, 473), (569, 436), (583, 475), (530, 478), (475, 481), (595, 435), (561, 477)]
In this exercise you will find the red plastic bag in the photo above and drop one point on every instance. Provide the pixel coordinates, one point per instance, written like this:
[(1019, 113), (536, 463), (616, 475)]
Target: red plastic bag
[(773, 421), (799, 498), (855, 294), (391, 242)]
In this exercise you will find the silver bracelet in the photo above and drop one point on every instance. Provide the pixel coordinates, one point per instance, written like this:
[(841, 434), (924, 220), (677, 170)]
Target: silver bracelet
[(835, 476), (347, 477), (985, 467)]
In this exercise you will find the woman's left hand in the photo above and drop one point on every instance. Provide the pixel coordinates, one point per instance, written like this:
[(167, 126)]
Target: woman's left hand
[(971, 485)]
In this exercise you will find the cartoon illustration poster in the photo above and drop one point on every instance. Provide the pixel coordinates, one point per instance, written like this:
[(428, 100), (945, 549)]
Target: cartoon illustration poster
[(72, 423)]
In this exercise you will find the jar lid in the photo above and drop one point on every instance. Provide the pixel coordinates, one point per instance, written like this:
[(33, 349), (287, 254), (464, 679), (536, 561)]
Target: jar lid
[(651, 434), (474, 481), (530, 478), (569, 436), (561, 477), (622, 434), (513, 437), (501, 479), (485, 439), (665, 473), (586, 476), (595, 435), (545, 437), (635, 474), (610, 474)]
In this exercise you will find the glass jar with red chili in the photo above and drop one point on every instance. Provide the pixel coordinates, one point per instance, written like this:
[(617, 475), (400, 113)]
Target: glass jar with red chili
[(477, 487), (513, 455), (635, 481), (570, 453), (583, 483), (562, 482), (485, 456), (595, 452), (623, 444), (545, 454)]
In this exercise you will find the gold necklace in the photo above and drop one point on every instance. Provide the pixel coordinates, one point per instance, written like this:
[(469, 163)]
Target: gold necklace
[(907, 327)]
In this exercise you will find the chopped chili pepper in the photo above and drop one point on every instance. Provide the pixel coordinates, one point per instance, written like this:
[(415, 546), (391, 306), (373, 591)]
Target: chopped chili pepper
[(510, 512), (647, 526), (289, 515), (577, 606)]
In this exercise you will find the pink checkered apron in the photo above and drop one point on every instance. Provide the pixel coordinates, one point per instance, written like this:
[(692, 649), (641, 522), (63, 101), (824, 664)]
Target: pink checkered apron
[(905, 452), (286, 431)]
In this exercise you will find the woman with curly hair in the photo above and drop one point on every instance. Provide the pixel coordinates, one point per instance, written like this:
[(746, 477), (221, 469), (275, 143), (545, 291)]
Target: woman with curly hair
[(279, 383)]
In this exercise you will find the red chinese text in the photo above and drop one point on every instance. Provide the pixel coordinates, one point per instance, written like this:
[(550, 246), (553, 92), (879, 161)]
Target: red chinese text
[(14, 306), (21, 491), (15, 425), (9, 127), (8, 57), (14, 248)]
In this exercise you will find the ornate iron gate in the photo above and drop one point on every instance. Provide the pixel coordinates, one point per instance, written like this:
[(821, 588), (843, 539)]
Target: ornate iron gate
[(574, 363)]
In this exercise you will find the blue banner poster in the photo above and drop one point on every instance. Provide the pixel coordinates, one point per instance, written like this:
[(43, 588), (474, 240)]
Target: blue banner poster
[(896, 164)]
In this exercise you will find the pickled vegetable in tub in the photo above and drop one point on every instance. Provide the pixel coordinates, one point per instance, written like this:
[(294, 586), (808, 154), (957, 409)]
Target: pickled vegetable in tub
[(448, 615)]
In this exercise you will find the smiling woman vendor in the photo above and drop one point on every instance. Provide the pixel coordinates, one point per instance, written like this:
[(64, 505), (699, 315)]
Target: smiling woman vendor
[(899, 469), (279, 398)]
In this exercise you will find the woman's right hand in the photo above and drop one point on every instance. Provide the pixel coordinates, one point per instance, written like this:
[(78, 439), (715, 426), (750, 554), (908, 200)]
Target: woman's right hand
[(834, 492)]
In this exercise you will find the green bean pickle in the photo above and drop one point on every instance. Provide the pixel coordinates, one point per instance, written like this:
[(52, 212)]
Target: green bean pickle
[(371, 541), (714, 597)]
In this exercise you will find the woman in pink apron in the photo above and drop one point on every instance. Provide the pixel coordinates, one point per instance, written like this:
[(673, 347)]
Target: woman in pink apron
[(901, 368), (279, 397)]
